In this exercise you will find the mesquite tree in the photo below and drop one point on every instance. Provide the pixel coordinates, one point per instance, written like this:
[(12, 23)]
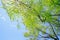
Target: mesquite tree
[(40, 17)]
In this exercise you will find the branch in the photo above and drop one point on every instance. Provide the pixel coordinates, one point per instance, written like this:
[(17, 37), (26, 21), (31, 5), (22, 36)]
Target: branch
[(54, 31), (42, 20), (56, 15), (46, 33)]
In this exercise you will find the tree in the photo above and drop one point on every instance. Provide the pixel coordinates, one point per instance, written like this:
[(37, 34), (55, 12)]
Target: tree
[(41, 17)]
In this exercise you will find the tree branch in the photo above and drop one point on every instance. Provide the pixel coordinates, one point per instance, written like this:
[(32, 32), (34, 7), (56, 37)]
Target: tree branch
[(54, 31), (42, 20), (46, 33), (56, 15)]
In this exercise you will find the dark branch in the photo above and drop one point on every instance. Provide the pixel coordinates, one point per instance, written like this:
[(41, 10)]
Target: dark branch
[(42, 20), (54, 31), (56, 15), (46, 33)]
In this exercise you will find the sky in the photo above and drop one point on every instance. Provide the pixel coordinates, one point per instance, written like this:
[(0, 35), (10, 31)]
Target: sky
[(8, 29)]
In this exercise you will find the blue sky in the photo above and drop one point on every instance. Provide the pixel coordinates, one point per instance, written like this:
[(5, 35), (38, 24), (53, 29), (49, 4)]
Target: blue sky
[(8, 29)]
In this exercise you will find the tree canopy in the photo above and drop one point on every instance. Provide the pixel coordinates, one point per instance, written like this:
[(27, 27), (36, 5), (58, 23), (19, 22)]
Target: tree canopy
[(40, 17)]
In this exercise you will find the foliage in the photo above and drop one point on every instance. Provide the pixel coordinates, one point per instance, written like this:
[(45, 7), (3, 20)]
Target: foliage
[(35, 15)]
